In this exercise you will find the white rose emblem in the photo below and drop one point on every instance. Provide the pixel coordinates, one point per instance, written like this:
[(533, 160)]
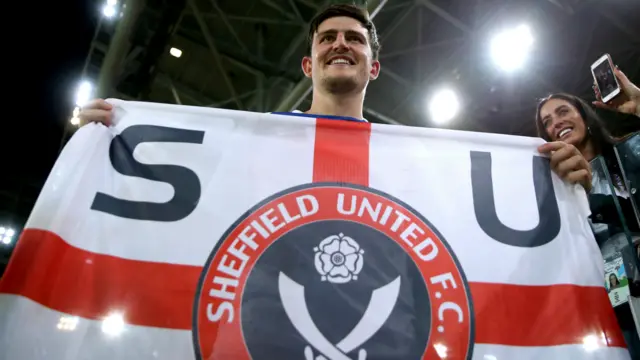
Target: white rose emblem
[(338, 259)]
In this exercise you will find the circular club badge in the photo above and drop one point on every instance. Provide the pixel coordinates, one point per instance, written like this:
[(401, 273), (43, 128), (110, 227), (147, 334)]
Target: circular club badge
[(332, 271)]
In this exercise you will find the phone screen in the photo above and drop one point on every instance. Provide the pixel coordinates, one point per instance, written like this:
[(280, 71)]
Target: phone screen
[(605, 78)]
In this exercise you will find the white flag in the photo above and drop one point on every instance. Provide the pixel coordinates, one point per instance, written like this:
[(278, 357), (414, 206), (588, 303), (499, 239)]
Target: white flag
[(195, 233)]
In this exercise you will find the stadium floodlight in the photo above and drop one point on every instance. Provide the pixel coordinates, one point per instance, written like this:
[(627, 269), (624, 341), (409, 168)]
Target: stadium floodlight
[(6, 235), (510, 48), (444, 106), (175, 52), (109, 9), (84, 93)]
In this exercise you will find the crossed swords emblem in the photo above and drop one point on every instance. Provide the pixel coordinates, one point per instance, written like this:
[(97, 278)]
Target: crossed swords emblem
[(383, 300)]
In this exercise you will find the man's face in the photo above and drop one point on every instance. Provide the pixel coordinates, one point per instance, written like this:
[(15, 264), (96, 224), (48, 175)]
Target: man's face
[(341, 60)]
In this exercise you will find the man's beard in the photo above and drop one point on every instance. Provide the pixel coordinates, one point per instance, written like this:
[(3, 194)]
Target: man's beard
[(340, 85)]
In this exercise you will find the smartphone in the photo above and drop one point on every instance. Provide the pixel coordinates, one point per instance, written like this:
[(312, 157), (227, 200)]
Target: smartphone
[(606, 81)]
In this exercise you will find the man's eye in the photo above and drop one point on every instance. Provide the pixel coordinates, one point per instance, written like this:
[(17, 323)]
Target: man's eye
[(355, 38), (328, 38)]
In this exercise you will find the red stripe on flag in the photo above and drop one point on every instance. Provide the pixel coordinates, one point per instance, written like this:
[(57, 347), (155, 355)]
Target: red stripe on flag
[(341, 152), (48, 270), (522, 315)]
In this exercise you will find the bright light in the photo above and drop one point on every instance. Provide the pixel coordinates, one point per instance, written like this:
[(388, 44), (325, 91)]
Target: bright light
[(109, 9), (68, 323), (75, 120), (511, 48), (444, 106), (6, 235), (113, 325), (592, 342), (84, 93), (175, 52)]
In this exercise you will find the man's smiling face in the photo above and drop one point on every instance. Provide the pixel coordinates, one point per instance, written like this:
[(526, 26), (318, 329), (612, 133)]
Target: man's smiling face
[(341, 58)]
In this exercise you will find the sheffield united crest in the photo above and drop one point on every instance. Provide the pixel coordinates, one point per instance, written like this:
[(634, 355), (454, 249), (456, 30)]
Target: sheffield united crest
[(332, 272)]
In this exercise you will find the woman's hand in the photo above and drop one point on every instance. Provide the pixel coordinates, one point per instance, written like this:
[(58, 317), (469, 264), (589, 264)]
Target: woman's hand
[(568, 163), (630, 104)]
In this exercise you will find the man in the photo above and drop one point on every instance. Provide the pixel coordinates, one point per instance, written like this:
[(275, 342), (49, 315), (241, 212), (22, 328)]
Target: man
[(342, 48), (342, 58)]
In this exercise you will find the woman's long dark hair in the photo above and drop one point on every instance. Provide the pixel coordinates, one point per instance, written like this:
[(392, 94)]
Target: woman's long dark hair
[(616, 278), (600, 138)]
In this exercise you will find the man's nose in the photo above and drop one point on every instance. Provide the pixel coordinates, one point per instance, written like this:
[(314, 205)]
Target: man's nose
[(340, 43)]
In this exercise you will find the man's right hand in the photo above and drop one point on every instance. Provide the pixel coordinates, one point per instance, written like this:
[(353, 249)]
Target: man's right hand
[(98, 111)]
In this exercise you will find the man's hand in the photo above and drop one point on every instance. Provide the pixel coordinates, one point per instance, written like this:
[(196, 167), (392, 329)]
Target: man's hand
[(98, 111), (568, 163), (630, 100)]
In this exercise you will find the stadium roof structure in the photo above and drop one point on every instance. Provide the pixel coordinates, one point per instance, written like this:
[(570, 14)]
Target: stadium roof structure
[(246, 54)]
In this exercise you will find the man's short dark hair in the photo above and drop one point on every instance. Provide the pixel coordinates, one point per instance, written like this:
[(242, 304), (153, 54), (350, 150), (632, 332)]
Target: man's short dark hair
[(347, 10)]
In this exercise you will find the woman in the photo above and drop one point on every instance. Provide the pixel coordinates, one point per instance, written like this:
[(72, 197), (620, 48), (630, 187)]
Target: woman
[(576, 137), (576, 133), (613, 282)]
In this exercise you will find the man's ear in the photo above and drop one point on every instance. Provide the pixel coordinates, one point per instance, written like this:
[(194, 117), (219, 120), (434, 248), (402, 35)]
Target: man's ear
[(307, 66), (375, 70)]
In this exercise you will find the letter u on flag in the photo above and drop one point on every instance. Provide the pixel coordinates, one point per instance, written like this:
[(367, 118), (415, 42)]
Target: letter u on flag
[(193, 233)]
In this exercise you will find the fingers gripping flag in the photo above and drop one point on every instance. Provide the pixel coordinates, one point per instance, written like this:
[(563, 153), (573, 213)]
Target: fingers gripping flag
[(191, 233)]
